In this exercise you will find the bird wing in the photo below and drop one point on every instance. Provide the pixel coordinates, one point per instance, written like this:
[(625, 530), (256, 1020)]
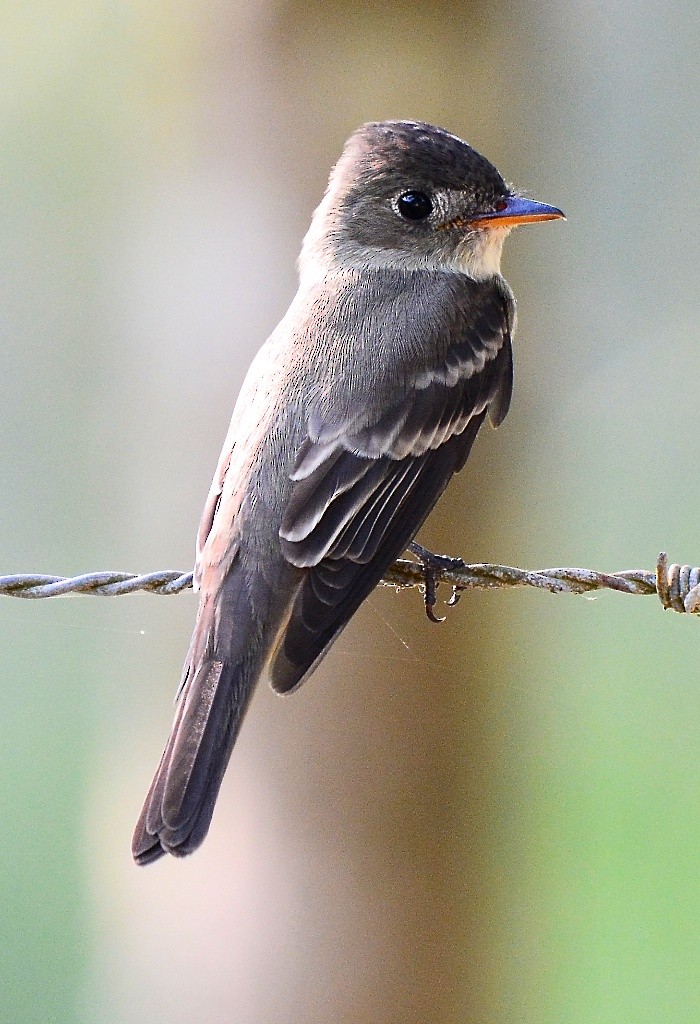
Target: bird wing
[(363, 487)]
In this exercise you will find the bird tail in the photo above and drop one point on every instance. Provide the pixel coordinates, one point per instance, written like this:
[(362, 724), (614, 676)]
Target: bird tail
[(223, 664)]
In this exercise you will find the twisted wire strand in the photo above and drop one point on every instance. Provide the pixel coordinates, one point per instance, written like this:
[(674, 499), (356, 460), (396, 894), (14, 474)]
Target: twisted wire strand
[(677, 586), (100, 584)]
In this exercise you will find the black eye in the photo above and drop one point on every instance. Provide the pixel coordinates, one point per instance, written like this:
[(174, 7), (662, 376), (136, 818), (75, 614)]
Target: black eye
[(415, 205)]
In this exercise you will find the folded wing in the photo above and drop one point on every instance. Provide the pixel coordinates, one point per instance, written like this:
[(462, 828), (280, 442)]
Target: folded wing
[(362, 489)]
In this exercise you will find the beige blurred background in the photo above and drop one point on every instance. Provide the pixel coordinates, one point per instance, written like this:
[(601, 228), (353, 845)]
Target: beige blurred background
[(495, 820)]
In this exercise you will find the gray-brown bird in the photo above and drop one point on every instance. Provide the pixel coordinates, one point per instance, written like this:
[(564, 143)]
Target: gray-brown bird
[(352, 419)]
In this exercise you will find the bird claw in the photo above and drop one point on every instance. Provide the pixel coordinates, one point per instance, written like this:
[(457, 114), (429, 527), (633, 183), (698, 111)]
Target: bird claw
[(433, 568)]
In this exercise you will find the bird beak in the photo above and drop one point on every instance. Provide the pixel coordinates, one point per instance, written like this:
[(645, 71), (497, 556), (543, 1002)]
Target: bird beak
[(517, 210)]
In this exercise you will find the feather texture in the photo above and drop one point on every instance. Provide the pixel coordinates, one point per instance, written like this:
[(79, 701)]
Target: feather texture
[(362, 490)]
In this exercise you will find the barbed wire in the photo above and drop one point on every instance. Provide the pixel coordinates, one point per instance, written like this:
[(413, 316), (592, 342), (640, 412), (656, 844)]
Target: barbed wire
[(677, 586)]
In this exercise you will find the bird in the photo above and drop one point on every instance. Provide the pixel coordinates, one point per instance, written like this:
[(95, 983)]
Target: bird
[(353, 417)]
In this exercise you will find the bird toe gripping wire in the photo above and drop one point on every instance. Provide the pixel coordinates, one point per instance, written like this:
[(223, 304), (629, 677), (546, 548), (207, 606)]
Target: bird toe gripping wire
[(433, 568)]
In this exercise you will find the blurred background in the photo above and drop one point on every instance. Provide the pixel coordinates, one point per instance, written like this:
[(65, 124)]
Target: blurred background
[(491, 820)]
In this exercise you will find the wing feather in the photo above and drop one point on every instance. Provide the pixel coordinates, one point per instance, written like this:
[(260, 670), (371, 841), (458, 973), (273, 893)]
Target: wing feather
[(363, 488)]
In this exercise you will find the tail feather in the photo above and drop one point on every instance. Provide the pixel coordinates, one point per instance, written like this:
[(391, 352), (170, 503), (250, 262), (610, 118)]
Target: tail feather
[(197, 742), (223, 664)]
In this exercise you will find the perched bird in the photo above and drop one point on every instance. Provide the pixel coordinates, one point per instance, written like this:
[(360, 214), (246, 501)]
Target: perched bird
[(352, 419)]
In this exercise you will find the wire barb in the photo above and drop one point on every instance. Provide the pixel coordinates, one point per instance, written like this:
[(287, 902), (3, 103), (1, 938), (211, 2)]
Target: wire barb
[(677, 586)]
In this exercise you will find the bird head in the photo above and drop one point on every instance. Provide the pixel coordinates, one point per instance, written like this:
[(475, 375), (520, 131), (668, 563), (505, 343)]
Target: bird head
[(406, 194)]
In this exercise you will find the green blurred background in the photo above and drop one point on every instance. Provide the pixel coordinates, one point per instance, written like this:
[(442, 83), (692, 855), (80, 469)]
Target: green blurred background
[(495, 820)]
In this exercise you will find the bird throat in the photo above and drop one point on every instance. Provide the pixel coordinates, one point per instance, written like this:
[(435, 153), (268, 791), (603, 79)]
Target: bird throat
[(479, 256)]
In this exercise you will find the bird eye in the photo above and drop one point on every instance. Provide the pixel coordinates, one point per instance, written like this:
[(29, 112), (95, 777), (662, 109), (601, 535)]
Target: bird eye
[(501, 205), (414, 205)]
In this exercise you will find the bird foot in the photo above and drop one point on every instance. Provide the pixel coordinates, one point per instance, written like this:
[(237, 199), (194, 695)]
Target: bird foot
[(433, 568)]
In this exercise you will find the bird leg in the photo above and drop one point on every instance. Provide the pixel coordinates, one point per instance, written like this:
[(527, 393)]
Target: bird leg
[(433, 568)]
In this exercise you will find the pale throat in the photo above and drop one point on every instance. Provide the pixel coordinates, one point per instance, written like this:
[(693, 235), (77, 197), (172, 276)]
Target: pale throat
[(480, 256)]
